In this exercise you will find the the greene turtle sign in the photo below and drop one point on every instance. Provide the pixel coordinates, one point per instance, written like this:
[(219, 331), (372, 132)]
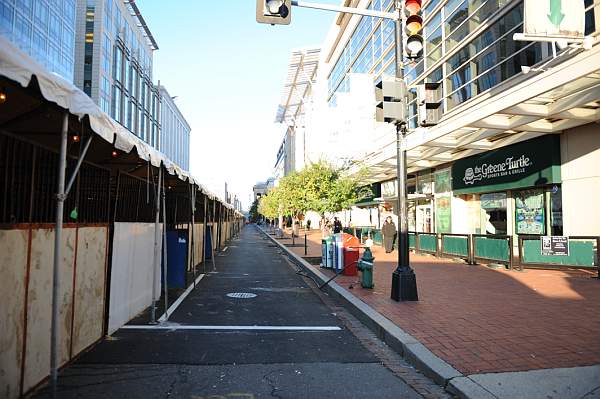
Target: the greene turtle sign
[(528, 164)]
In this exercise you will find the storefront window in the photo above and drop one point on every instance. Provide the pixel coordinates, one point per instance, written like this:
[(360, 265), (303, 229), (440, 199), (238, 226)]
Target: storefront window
[(529, 212), (443, 181), (493, 212), (556, 211)]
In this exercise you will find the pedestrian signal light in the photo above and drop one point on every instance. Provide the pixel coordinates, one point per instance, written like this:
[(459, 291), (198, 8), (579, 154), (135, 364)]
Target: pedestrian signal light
[(274, 12), (413, 26), (390, 102)]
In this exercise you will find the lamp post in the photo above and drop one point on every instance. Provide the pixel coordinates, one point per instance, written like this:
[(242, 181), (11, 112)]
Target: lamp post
[(404, 281)]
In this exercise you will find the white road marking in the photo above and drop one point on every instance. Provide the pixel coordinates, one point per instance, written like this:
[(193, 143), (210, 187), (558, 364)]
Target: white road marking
[(230, 328), (179, 300)]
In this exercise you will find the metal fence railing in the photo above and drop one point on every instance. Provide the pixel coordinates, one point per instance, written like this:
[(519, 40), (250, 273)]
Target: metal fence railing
[(582, 253), (456, 246)]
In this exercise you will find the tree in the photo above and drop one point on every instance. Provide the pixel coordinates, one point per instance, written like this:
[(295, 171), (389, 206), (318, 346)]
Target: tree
[(319, 187), (253, 212)]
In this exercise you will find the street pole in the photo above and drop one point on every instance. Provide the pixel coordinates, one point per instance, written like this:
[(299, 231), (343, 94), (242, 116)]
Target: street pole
[(404, 281)]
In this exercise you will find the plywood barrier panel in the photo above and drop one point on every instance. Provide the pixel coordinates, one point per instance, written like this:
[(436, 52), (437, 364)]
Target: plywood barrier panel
[(39, 308), (198, 242), (89, 287), (132, 272), (13, 268)]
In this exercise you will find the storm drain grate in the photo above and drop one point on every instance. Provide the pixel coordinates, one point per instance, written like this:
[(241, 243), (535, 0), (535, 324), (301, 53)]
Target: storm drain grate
[(241, 295)]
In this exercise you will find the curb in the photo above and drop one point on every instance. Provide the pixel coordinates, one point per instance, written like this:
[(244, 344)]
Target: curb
[(400, 341)]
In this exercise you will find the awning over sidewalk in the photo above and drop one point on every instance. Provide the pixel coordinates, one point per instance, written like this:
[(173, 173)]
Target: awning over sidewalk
[(561, 94), (301, 74), (33, 116)]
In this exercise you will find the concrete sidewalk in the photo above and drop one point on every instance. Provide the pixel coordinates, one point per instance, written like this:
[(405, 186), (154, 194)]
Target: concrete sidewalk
[(483, 332)]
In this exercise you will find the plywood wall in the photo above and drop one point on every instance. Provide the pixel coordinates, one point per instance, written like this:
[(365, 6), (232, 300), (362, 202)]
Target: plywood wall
[(13, 269), (26, 267)]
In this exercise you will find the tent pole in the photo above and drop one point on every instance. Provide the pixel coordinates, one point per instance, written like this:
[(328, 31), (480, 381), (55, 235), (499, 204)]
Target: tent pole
[(205, 223), (165, 251), (60, 202), (212, 238), (156, 246), (192, 254)]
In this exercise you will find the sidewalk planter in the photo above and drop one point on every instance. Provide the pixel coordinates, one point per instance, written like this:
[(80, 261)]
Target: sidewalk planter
[(583, 252), (493, 248), (377, 236), (456, 246), (427, 243)]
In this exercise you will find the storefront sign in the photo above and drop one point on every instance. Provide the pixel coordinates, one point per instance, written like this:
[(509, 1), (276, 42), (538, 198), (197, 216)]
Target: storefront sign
[(443, 214), (530, 163), (555, 245), (388, 189)]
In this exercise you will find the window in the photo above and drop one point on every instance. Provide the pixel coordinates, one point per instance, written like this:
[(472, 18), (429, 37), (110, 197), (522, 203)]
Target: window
[(54, 28), (493, 212), (23, 32), (529, 212), (489, 59), (41, 15), (116, 104), (118, 66)]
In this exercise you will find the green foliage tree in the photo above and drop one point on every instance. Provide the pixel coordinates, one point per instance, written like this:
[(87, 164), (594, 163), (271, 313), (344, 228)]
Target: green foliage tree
[(253, 212), (319, 187)]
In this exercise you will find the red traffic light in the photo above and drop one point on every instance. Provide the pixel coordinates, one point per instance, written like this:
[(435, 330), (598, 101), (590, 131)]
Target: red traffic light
[(412, 6)]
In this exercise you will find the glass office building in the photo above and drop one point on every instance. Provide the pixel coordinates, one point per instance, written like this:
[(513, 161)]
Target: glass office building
[(114, 64), (468, 48), (175, 131), (43, 29)]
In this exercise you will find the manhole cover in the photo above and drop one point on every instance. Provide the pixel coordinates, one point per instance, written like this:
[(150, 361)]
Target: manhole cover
[(242, 295)]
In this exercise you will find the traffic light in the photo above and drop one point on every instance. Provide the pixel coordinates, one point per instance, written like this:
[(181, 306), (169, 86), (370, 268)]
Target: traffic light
[(390, 97), (413, 26), (274, 12), (429, 100)]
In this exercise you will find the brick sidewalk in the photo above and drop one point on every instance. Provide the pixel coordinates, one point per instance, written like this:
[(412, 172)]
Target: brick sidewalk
[(482, 320)]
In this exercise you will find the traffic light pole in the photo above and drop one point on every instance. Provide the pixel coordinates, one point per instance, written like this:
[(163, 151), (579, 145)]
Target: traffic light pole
[(404, 282)]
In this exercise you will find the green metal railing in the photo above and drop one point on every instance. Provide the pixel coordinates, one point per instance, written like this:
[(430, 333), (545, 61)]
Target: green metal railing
[(456, 246), (473, 248), (492, 248), (583, 253), (427, 243)]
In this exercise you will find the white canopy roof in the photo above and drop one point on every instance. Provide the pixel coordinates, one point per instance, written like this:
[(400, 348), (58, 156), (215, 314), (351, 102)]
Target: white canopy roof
[(20, 67)]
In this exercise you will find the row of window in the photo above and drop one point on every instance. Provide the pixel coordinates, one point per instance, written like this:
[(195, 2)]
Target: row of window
[(42, 29), (175, 136), (371, 38)]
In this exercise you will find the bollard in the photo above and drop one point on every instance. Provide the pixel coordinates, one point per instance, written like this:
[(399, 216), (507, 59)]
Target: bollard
[(305, 245)]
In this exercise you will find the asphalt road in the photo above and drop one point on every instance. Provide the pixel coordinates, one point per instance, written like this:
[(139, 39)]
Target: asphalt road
[(211, 347)]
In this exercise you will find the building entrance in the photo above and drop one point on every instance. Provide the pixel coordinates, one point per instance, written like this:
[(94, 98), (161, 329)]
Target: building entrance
[(493, 213)]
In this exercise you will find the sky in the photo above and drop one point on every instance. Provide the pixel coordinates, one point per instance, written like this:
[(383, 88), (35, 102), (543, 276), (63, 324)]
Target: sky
[(228, 72)]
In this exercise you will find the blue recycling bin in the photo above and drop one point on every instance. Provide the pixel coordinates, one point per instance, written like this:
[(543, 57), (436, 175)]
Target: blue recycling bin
[(177, 248)]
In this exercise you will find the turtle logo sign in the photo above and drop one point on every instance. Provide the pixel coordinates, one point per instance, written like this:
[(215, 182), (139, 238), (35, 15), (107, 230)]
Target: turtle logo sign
[(470, 176)]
